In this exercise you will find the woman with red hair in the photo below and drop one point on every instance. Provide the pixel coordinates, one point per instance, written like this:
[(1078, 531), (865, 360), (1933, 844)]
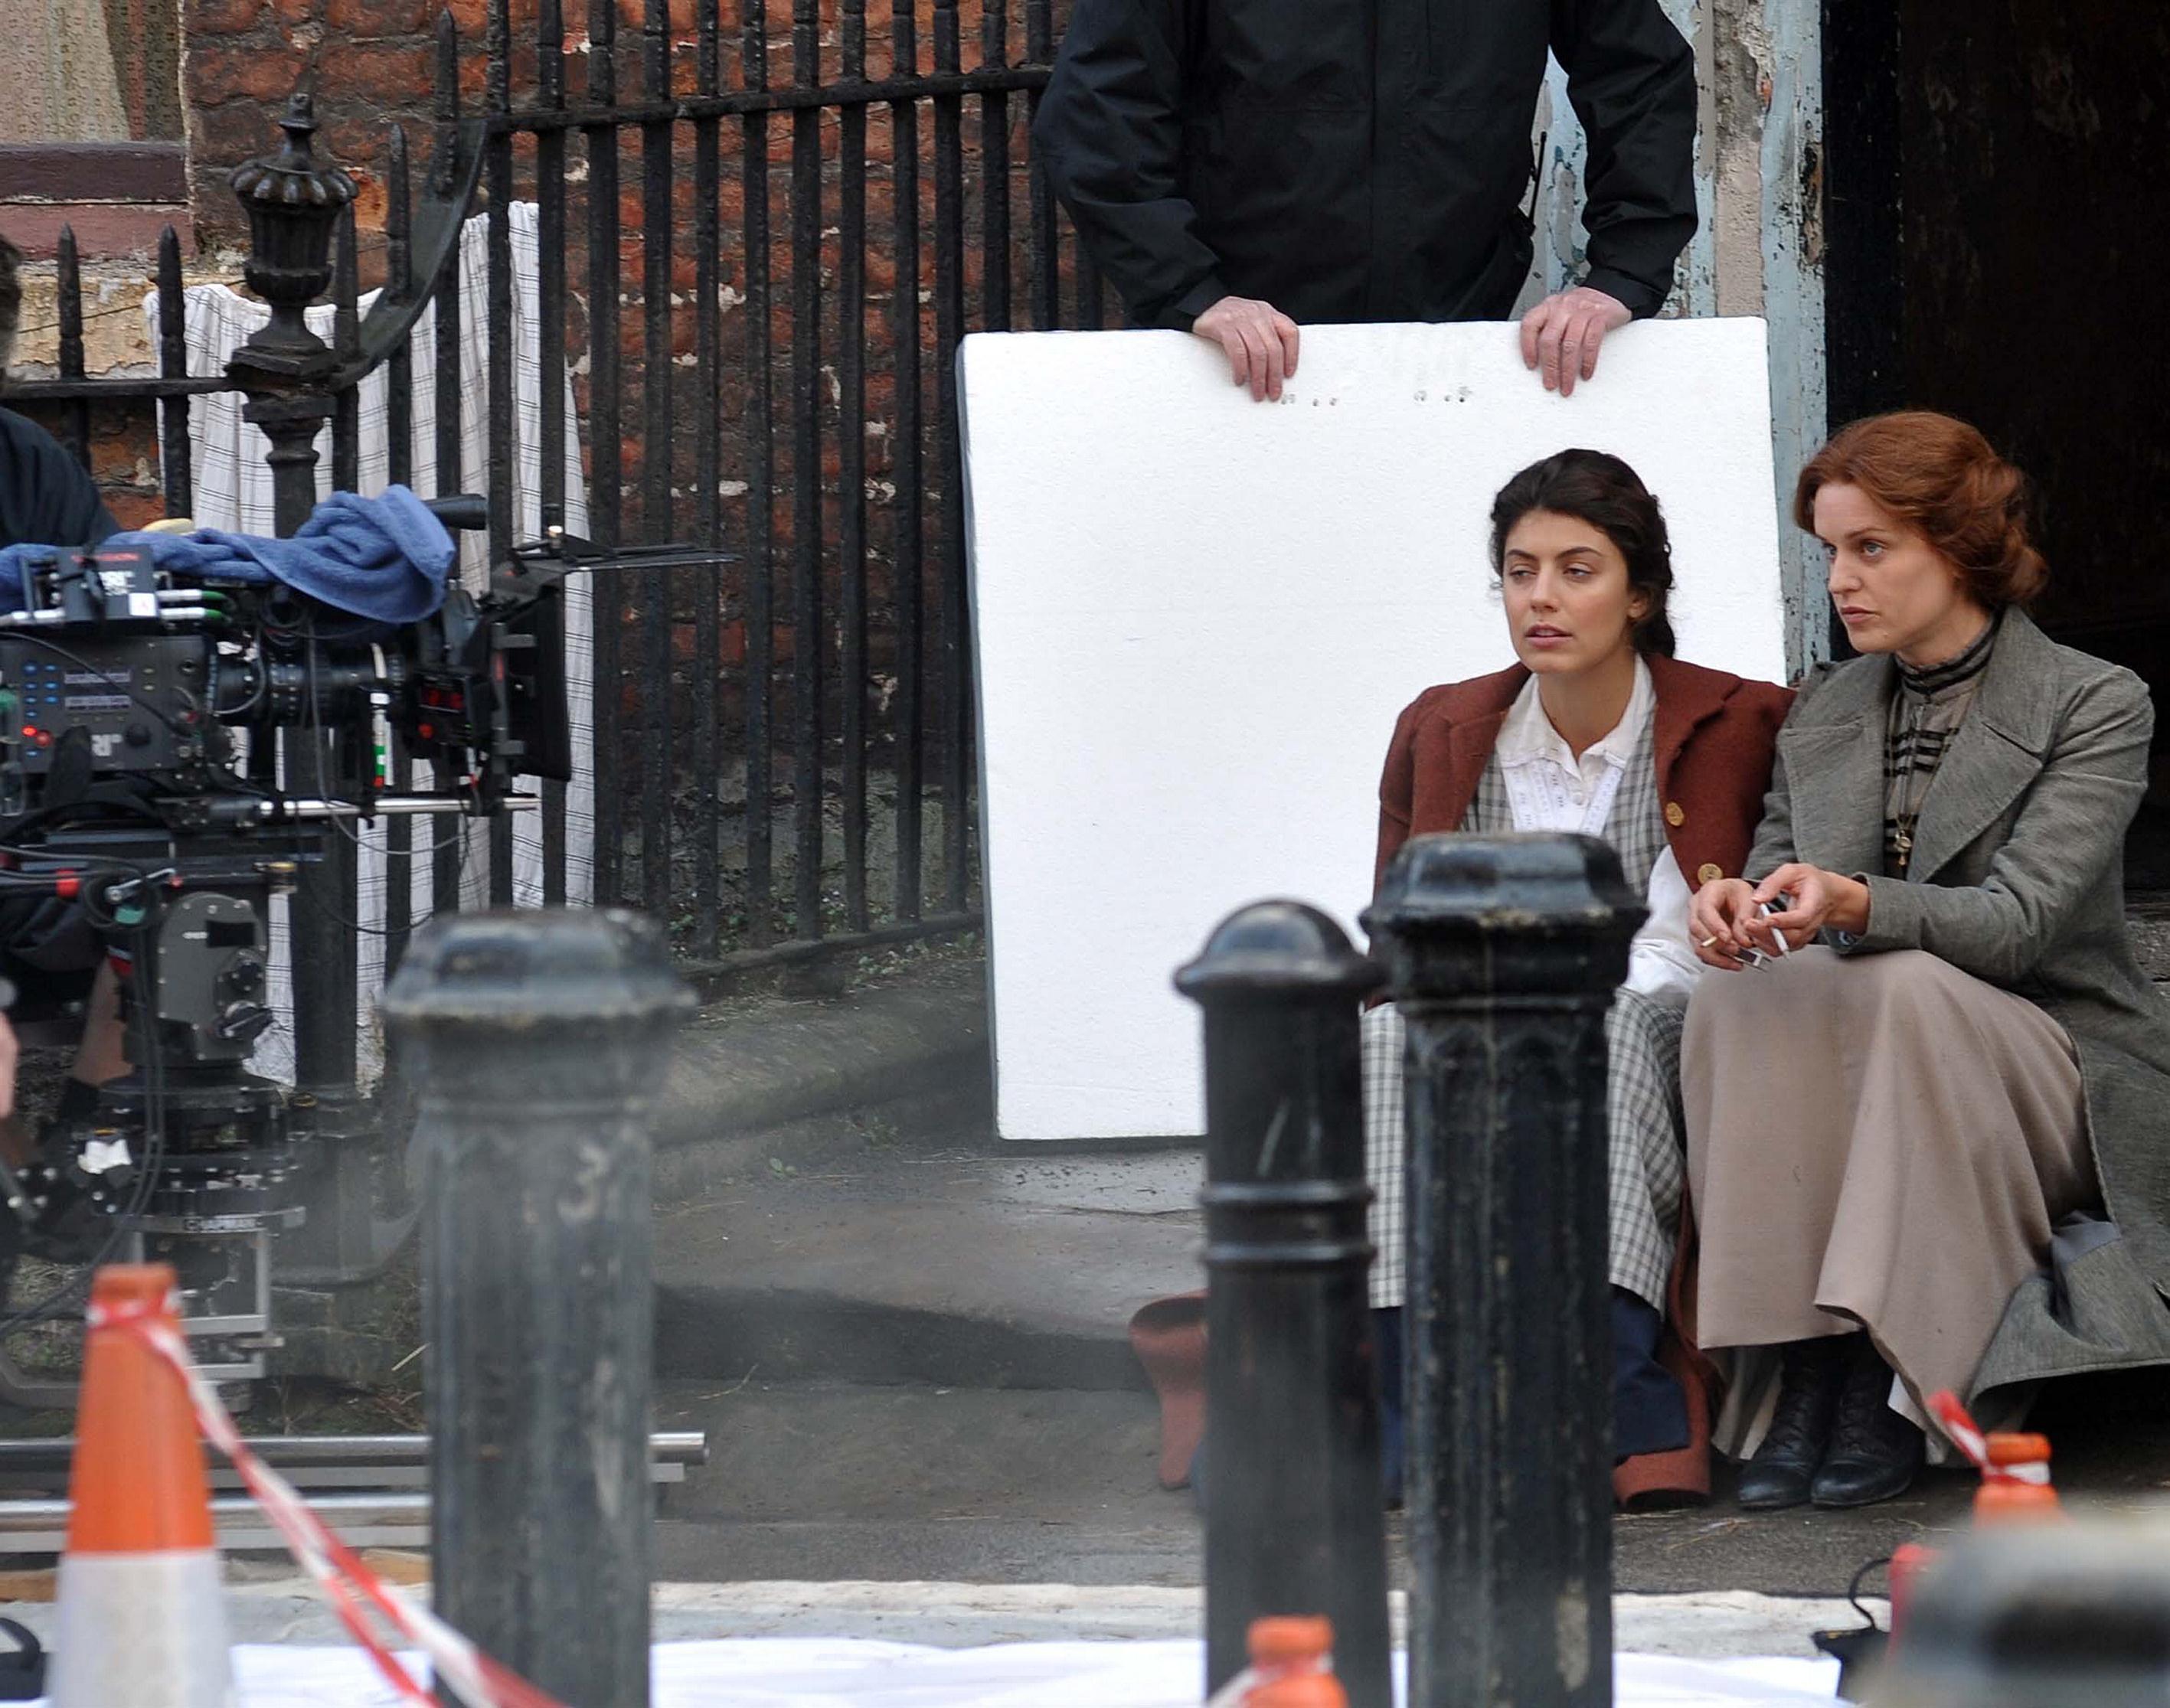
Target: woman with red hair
[(1924, 1119)]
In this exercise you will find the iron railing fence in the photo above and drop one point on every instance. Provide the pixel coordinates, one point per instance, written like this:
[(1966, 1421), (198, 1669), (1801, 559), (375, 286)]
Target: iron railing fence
[(757, 251)]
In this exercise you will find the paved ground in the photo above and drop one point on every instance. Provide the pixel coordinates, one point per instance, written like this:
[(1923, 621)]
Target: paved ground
[(908, 1350), (911, 1365), (877, 1261), (1056, 1486)]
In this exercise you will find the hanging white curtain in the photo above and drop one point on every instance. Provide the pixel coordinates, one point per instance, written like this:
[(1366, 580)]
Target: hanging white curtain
[(233, 490)]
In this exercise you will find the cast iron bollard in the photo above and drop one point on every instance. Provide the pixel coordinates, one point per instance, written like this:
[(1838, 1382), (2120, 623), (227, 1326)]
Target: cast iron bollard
[(1293, 1509), (535, 1041), (1503, 953)]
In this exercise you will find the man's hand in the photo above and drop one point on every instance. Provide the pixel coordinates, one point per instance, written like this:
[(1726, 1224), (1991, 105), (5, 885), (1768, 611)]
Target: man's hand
[(1562, 333), (1260, 339)]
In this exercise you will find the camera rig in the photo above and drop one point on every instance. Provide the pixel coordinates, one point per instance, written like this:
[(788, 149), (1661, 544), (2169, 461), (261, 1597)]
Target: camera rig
[(142, 714)]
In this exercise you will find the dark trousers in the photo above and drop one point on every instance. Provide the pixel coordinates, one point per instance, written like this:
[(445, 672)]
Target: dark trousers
[(1649, 1411)]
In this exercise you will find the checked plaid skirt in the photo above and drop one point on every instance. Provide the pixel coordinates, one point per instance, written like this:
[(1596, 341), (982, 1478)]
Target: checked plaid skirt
[(1646, 1159)]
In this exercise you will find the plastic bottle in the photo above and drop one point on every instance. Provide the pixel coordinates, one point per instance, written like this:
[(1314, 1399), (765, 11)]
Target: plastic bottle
[(1292, 1665), (2023, 1495)]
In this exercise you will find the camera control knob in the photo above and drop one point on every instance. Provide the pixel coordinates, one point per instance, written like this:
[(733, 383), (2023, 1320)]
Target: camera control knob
[(137, 735), (243, 1022), (245, 977)]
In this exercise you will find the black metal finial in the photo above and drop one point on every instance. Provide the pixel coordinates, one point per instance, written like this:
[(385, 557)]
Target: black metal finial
[(293, 202)]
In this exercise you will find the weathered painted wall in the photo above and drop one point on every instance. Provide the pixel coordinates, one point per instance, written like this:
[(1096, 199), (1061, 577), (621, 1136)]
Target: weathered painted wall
[(1760, 247)]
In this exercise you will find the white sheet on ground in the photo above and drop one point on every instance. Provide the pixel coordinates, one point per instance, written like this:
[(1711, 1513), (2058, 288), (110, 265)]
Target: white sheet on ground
[(827, 1672)]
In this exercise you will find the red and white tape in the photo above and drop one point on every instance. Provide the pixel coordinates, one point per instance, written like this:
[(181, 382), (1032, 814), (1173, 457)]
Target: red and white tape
[(355, 1591), (1966, 1436)]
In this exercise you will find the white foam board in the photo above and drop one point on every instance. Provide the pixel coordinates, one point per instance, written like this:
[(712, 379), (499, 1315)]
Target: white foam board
[(1197, 618)]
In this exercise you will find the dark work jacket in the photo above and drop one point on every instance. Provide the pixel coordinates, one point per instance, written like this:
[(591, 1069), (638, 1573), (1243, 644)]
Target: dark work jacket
[(1361, 160), (46, 497)]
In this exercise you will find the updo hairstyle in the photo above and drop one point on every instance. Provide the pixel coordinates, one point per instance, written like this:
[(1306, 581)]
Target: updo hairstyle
[(1942, 479)]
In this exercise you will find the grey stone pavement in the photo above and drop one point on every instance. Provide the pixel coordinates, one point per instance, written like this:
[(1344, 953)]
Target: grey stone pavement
[(907, 1340), (911, 1363)]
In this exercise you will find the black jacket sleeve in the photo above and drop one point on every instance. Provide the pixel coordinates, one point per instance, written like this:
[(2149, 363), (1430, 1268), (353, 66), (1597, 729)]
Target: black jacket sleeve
[(1631, 78), (1110, 134), (46, 497)]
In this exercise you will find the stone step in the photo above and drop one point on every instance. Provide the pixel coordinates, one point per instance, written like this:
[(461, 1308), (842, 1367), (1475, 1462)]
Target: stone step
[(903, 1263)]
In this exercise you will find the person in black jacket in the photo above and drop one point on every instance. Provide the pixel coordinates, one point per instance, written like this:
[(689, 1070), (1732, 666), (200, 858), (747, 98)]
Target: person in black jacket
[(1235, 167), (46, 497)]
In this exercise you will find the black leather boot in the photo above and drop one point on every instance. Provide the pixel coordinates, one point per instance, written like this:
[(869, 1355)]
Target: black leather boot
[(1814, 1373), (1875, 1453)]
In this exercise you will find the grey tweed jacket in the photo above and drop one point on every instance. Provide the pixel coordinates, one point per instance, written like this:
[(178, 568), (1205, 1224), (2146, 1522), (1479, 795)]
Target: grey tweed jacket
[(2017, 876)]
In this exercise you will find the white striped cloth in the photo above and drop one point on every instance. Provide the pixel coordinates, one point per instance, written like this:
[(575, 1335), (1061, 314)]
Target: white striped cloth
[(233, 490)]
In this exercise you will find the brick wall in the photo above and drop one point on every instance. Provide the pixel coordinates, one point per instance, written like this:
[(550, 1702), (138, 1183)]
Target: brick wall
[(122, 435)]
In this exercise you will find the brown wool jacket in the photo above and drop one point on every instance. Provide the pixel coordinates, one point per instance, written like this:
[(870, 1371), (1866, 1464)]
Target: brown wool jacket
[(1715, 736)]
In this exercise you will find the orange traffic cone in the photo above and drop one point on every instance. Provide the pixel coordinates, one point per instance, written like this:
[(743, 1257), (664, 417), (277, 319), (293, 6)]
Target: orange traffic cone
[(140, 1620)]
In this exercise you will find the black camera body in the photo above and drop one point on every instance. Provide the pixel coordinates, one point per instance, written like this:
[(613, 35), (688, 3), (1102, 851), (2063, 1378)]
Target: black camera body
[(116, 670)]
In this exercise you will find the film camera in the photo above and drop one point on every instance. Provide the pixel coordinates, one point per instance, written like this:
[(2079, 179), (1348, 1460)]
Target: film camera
[(174, 750)]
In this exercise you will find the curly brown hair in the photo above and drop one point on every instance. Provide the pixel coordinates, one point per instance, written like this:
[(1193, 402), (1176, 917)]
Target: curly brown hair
[(1942, 478)]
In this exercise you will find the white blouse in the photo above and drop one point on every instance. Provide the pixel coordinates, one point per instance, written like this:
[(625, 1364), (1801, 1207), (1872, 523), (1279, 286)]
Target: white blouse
[(1549, 789)]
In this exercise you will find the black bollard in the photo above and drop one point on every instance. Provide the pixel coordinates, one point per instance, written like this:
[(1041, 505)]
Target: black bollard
[(1294, 1520), (1503, 953), (535, 1041)]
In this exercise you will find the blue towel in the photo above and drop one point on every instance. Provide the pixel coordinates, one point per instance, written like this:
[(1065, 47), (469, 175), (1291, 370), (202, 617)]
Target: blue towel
[(382, 558)]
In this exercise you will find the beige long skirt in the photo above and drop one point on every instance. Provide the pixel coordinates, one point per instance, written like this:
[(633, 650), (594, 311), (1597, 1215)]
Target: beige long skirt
[(1878, 1141)]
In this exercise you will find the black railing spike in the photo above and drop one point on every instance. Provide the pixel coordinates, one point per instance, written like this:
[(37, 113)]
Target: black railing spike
[(176, 450)]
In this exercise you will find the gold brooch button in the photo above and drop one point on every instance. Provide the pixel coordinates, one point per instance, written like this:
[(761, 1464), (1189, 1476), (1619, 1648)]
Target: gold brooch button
[(1674, 815)]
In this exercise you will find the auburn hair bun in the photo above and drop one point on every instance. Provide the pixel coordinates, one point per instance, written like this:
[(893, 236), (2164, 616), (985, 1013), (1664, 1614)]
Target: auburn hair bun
[(1940, 478)]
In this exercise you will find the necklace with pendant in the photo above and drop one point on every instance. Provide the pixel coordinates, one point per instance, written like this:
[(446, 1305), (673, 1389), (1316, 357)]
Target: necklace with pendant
[(1908, 812)]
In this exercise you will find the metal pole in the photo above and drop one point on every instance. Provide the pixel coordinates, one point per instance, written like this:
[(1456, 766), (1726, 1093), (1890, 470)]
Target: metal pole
[(1503, 953), (535, 1041), (294, 202), (1294, 1521)]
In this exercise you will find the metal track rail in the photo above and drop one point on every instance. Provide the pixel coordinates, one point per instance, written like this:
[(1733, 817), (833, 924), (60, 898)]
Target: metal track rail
[(372, 1489)]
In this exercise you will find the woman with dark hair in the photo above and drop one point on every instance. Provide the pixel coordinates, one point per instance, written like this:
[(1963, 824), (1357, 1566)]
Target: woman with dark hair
[(1600, 730), (1924, 1134)]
